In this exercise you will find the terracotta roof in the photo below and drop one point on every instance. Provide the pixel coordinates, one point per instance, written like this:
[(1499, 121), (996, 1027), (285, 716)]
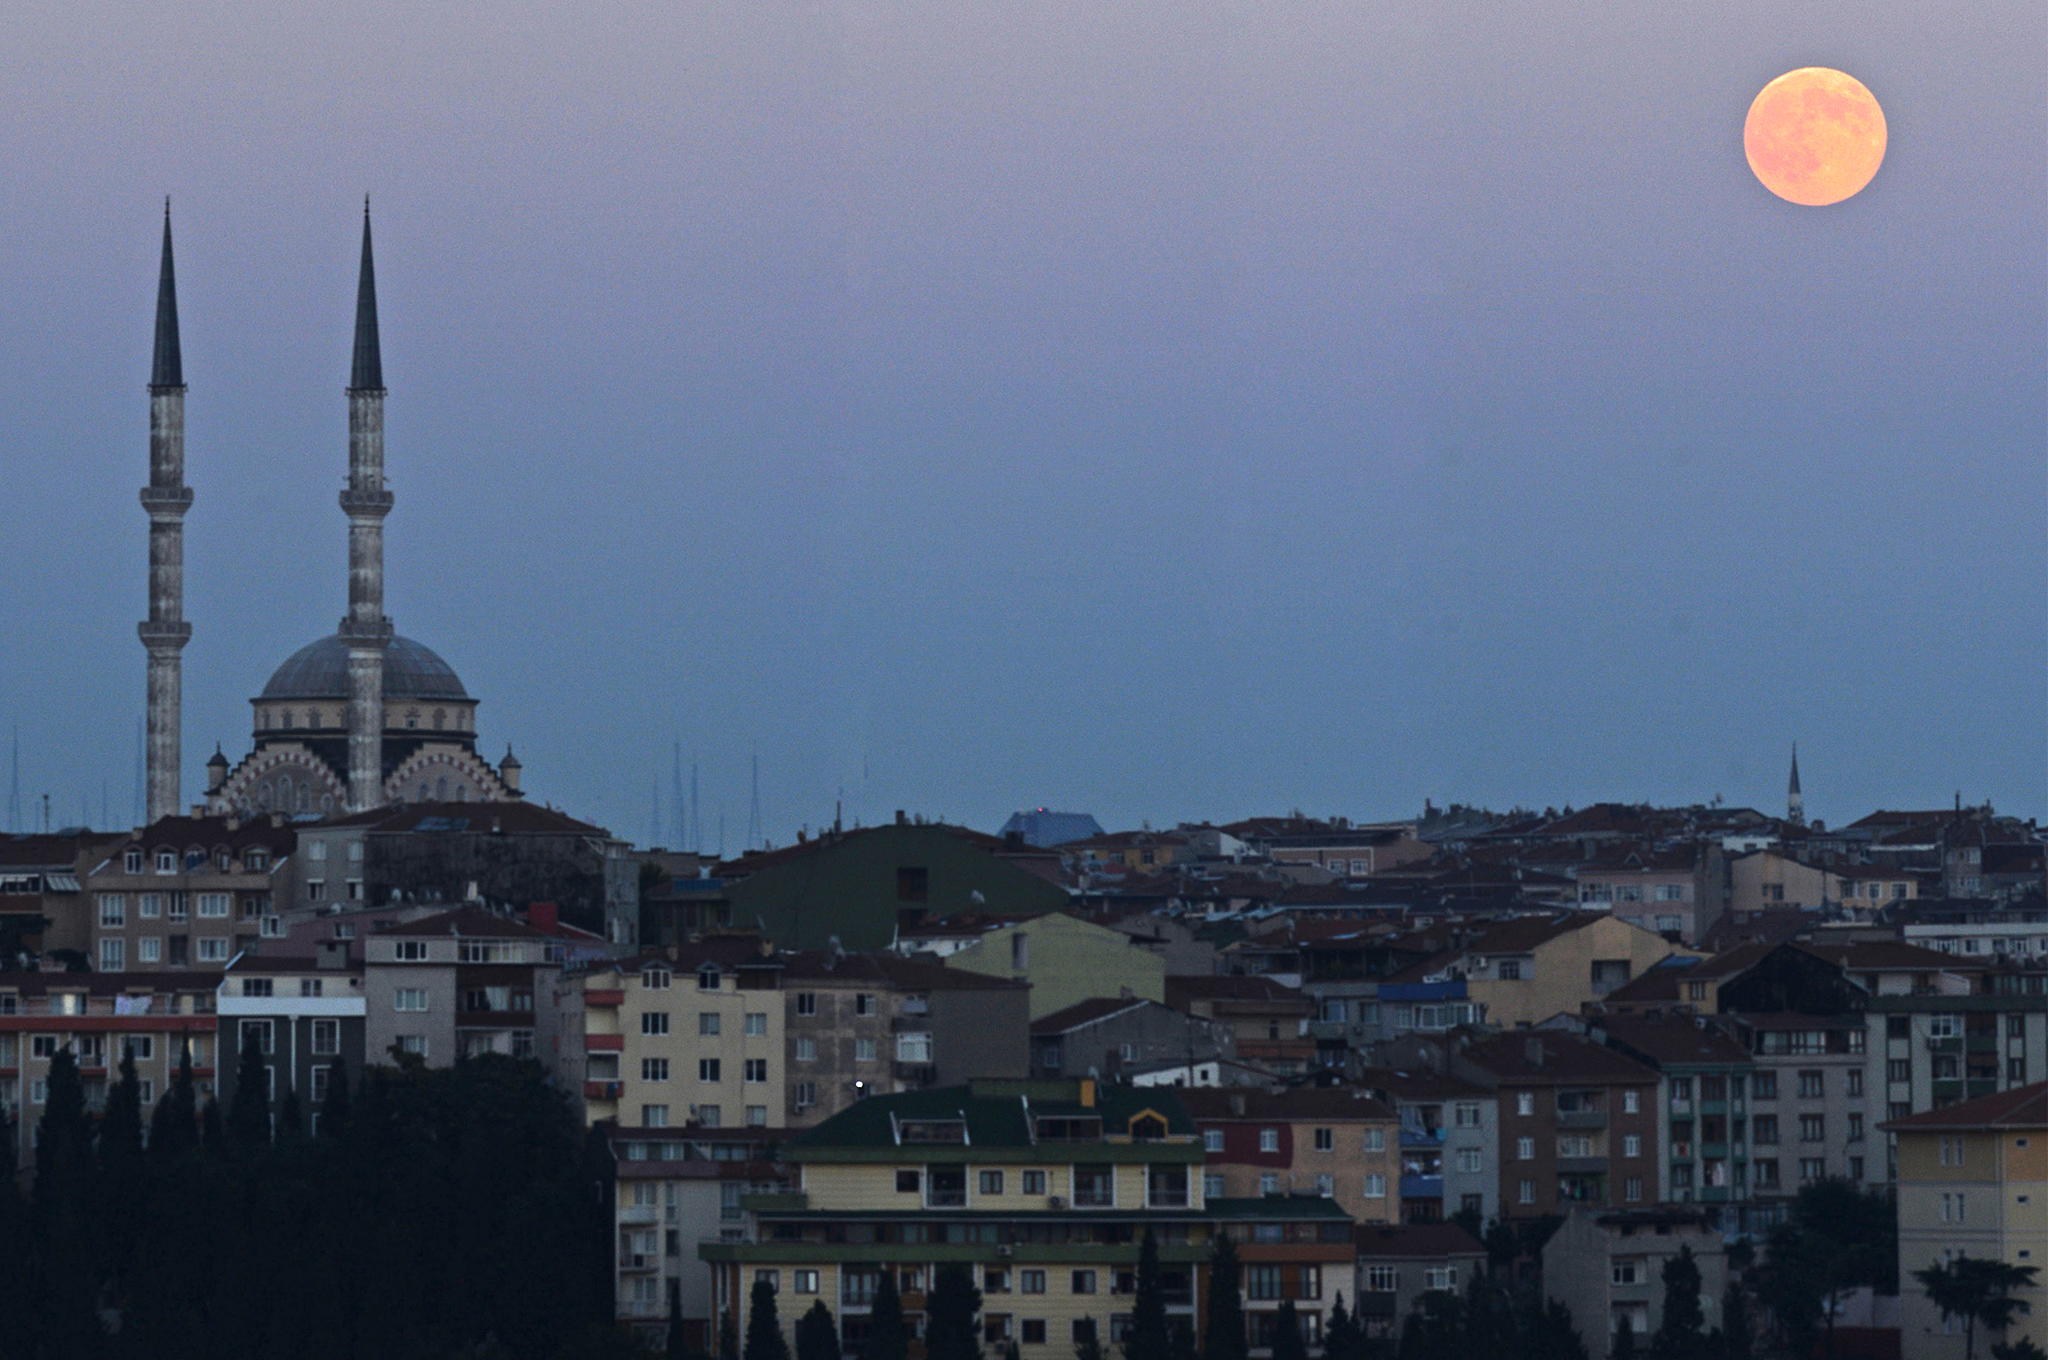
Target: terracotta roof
[(1673, 1039), (212, 833), (1397, 1084), (1891, 955), (470, 923), (1429, 1241), (506, 819), (1566, 1059), (1181, 988), (2023, 1107), (109, 984), (1206, 1104), (1085, 1012)]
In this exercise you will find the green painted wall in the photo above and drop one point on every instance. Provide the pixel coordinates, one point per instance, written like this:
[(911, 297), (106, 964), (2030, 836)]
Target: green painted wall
[(1067, 960), (849, 887)]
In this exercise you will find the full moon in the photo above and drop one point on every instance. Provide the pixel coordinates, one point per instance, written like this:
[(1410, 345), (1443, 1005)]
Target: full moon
[(1814, 136)]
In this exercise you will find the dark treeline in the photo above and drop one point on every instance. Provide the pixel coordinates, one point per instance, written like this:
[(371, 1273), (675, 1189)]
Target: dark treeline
[(435, 1214)]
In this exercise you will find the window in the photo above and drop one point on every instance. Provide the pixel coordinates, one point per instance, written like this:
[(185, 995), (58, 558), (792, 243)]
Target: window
[(113, 910), (655, 1023), (1510, 970), (1575, 1145), (909, 1182), (1261, 1282), (1031, 1331), (707, 1023), (213, 906), (656, 979), (1898, 1069), (1375, 1185), (1326, 1186), (990, 1183), (1094, 1186), (1855, 1081), (113, 954), (410, 951), (522, 1043), (1526, 1193), (1764, 1128), (1212, 1185), (1855, 1134), (654, 1069), (1375, 1140), (1465, 1115), (258, 987), (1951, 1150), (807, 1050), (1525, 1102), (326, 1038), (212, 949), (1084, 1282), (1033, 1183), (149, 949), (1628, 1270), (1765, 1086), (1632, 1188), (1525, 1149), (1631, 1101), (1813, 1128), (1326, 1140), (1382, 1279), (1440, 1277), (409, 999), (757, 1116), (1813, 1168), (1269, 1184), (806, 1094), (754, 1070), (1166, 1187), (864, 1050), (756, 1024), (166, 861), (1212, 1140), (1468, 1160), (707, 1069), (711, 1116), (654, 1116), (1269, 1140), (1944, 1026), (863, 1003), (1812, 1085), (806, 1003), (707, 978), (803, 1281), (45, 1046)]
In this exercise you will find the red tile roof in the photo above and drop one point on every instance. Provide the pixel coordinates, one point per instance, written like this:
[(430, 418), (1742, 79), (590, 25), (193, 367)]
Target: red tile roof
[(2023, 1107), (1335, 1103), (1085, 1012), (470, 923)]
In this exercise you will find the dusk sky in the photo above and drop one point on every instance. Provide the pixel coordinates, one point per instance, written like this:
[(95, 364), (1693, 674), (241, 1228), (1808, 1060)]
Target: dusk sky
[(1161, 410)]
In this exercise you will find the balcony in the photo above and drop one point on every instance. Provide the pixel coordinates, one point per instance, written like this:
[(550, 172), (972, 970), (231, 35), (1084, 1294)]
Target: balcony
[(920, 1074), (640, 1308), (633, 1214), (604, 1043), (1582, 1166), (1681, 1152), (1583, 1119), (639, 1261), (602, 1090), (1422, 1187), (603, 1000)]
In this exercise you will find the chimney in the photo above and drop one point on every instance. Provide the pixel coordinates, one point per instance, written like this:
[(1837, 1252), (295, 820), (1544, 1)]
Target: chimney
[(544, 916), (901, 819)]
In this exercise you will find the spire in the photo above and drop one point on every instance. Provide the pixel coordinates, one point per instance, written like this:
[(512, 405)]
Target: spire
[(367, 375), (168, 367), (1793, 788)]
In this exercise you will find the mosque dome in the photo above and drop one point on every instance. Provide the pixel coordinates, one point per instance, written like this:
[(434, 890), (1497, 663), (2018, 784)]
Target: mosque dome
[(319, 670)]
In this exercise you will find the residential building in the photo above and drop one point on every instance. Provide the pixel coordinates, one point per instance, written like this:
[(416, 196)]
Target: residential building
[(457, 984), (1065, 959), (1677, 892), (675, 1190), (100, 1016), (1399, 1263), (1973, 1180), (43, 904), (1771, 879), (1334, 1141), (1986, 929), (1701, 1149), (1044, 1190), (189, 892), (1269, 1020), (1525, 970), (1578, 1120), (1145, 851), (1931, 1049), (873, 1023), (1607, 1267), (1115, 1037), (306, 1015), (1450, 1142)]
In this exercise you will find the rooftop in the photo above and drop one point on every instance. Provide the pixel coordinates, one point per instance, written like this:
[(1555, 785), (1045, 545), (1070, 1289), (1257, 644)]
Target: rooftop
[(2023, 1107)]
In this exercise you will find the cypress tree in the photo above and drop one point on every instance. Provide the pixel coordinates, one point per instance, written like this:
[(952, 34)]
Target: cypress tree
[(728, 1336), (1181, 1340), (334, 1113), (676, 1348), (1088, 1347), (1148, 1338), (949, 1329), (1682, 1334), (887, 1338), (1341, 1336), (173, 1127), (249, 1110), (1624, 1340), (1224, 1336), (212, 1137), (1738, 1335), (764, 1330), (1551, 1335), (291, 1127), (1287, 1343), (65, 1274), (817, 1336)]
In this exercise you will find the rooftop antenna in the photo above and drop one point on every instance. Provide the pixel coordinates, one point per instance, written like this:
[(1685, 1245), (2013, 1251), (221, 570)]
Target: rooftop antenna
[(721, 835), (675, 788), (14, 785), (754, 806), (697, 813)]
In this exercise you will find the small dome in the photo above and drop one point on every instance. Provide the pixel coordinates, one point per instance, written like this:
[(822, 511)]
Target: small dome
[(319, 670)]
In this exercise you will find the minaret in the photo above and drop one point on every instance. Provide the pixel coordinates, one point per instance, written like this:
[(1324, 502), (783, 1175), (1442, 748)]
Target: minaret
[(365, 629), (1795, 805), (166, 498)]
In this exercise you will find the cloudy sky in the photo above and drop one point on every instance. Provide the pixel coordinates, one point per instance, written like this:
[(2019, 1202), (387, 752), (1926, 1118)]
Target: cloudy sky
[(1161, 408)]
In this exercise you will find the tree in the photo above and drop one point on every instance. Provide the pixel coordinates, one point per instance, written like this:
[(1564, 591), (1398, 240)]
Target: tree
[(887, 1338), (1503, 1244), (1181, 1343), (1624, 1339), (1342, 1337), (291, 1126), (1837, 1237), (1435, 1328), (1225, 1332), (1738, 1333), (1148, 1339), (949, 1316), (173, 1125), (1287, 1343), (675, 1347), (334, 1111), (728, 1336), (1977, 1290), (1548, 1333), (65, 1276), (817, 1336), (1088, 1347), (1682, 1336), (2022, 1349), (249, 1109), (764, 1330)]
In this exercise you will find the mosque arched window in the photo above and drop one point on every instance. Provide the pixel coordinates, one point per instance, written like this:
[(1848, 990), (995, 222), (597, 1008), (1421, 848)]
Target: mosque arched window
[(305, 798), (462, 793), (440, 718), (263, 796), (424, 791), (287, 718), (412, 719), (441, 788), (263, 718)]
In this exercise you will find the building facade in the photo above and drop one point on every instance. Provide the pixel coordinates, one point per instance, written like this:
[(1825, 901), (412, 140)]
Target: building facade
[(1337, 1142)]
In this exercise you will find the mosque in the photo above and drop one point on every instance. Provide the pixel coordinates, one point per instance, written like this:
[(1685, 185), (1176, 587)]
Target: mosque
[(356, 720)]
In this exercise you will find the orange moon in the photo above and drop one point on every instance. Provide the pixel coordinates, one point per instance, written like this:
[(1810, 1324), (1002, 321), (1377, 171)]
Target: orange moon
[(1814, 136)]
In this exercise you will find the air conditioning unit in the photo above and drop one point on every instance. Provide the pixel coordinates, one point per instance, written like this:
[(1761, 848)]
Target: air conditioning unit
[(1056, 1202)]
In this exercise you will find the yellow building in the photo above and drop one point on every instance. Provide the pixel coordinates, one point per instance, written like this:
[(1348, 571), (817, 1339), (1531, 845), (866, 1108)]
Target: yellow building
[(688, 1036), (1066, 959), (1524, 971), (1044, 1189), (1973, 1181)]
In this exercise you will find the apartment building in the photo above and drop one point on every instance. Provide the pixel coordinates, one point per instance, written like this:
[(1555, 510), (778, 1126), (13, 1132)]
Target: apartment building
[(458, 984), (306, 1015), (1044, 1190), (1973, 1180), (1065, 959), (1338, 1142), (189, 892), (1578, 1121), (1703, 1140), (1397, 1265), (857, 1025), (1450, 1141), (1525, 970), (156, 1016), (690, 1037), (1934, 1049), (1268, 1020), (1112, 1037), (43, 906), (1607, 1267), (1678, 892)]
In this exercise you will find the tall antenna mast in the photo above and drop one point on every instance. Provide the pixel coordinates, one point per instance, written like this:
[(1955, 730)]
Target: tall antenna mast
[(14, 786), (675, 784), (754, 807), (696, 811)]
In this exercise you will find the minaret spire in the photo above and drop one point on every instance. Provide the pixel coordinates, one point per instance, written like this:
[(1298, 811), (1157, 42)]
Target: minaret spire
[(166, 498), (366, 502), (1795, 802)]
